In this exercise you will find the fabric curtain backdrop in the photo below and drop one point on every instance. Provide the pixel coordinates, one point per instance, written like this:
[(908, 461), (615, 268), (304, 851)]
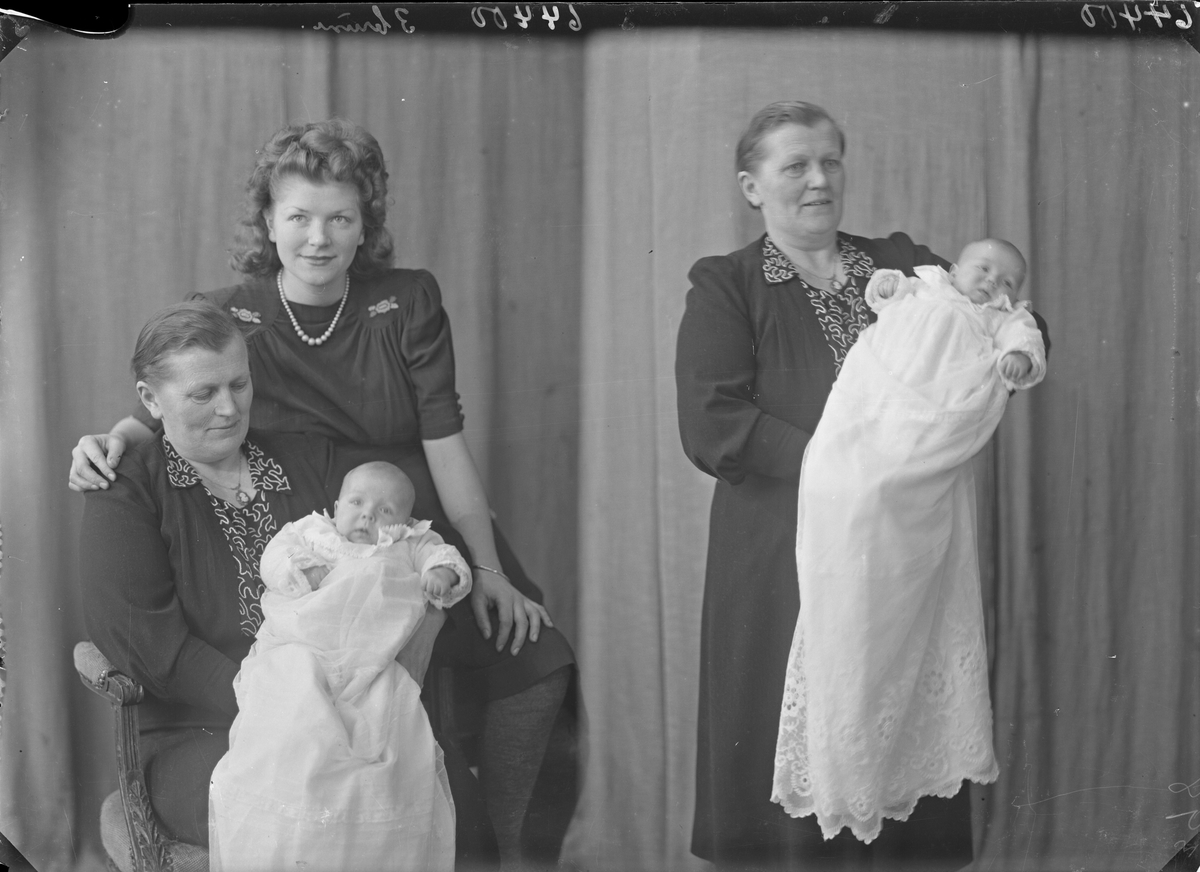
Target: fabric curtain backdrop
[(122, 167), (1082, 152), (523, 171)]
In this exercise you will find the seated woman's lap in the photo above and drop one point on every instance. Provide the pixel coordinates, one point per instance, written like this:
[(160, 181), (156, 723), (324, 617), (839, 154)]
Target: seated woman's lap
[(178, 764), (461, 645)]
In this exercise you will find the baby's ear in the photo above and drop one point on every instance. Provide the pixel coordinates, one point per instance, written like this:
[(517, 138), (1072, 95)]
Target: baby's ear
[(953, 270)]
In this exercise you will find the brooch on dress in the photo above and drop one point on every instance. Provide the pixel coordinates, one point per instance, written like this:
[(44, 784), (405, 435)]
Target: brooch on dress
[(245, 315), (383, 306)]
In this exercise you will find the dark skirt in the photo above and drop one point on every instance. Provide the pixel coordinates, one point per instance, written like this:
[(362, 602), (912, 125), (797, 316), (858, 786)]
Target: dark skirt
[(751, 602)]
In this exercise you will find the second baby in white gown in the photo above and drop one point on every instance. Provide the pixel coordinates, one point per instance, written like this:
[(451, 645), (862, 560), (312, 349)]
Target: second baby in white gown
[(332, 763), (886, 690)]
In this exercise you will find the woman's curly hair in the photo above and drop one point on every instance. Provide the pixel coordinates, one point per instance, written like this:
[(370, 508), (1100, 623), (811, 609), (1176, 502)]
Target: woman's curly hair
[(322, 151)]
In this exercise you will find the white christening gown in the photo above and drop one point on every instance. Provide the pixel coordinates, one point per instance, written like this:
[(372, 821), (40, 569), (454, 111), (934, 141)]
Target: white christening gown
[(886, 692), (332, 764)]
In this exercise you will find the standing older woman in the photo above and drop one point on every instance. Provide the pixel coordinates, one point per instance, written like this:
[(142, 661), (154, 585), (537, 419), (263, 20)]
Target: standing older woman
[(345, 346), (762, 338), (171, 594)]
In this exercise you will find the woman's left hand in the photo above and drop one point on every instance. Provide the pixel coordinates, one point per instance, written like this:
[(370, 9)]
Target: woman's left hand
[(515, 612)]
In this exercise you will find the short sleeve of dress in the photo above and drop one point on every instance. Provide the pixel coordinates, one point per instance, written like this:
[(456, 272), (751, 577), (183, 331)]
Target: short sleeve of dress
[(428, 352)]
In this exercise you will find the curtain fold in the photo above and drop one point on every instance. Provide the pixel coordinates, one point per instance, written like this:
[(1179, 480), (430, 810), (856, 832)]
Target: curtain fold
[(1097, 657)]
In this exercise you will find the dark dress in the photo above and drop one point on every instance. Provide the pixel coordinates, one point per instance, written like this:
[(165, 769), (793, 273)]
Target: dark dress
[(754, 366), (171, 597), (382, 382)]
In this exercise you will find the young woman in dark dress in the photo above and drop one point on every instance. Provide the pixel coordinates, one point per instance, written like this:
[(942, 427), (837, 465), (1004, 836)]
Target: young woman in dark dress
[(761, 340), (345, 346)]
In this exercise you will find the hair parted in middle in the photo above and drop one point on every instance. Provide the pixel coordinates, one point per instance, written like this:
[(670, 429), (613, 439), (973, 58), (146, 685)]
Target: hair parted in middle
[(333, 150)]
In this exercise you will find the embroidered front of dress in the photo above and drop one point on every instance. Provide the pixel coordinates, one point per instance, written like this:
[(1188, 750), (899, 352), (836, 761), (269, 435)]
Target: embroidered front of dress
[(247, 529), (842, 314)]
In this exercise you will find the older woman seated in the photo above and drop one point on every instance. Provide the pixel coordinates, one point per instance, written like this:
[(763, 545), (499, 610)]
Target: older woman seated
[(171, 549)]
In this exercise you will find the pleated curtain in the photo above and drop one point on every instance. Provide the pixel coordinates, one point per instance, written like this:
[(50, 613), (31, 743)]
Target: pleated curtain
[(560, 190)]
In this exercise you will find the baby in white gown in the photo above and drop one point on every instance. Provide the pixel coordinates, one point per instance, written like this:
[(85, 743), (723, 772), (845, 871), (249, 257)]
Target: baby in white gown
[(332, 763), (886, 693)]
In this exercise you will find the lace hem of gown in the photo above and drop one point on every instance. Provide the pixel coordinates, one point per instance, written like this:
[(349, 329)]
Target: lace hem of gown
[(964, 752)]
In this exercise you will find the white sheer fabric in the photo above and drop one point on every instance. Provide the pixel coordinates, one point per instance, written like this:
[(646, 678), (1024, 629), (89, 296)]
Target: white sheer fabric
[(332, 762), (886, 697)]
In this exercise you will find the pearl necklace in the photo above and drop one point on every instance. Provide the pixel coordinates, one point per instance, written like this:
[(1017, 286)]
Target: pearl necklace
[(296, 324)]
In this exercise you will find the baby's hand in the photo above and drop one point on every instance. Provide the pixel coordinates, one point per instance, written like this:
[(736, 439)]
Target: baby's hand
[(886, 285), (1015, 366), (315, 575), (439, 581)]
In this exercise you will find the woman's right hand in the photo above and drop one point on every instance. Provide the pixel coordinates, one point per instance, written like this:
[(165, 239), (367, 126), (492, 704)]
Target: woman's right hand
[(99, 452)]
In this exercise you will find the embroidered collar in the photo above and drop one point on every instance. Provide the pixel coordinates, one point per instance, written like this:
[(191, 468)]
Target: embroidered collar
[(777, 268), (1004, 304), (264, 472), (410, 529), (320, 532)]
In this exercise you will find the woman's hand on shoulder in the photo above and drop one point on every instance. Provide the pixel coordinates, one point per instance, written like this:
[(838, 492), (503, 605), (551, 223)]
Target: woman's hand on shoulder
[(93, 460), (515, 613)]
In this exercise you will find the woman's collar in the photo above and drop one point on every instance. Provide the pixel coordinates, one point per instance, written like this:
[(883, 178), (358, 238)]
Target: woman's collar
[(778, 267), (264, 471)]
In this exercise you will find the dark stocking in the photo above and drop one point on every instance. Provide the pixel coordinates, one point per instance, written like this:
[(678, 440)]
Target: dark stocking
[(515, 733)]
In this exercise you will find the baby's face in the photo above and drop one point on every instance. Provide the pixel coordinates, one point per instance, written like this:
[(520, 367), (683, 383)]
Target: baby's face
[(985, 271), (368, 502)]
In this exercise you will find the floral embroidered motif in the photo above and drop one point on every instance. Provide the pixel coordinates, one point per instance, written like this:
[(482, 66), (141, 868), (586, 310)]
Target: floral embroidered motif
[(247, 529), (842, 314), (246, 315), (383, 306)]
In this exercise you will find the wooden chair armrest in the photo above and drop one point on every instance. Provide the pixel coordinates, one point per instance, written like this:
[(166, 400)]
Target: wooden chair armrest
[(100, 676), (123, 694)]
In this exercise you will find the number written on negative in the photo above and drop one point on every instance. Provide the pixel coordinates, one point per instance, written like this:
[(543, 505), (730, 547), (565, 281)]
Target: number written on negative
[(485, 16), (1157, 11)]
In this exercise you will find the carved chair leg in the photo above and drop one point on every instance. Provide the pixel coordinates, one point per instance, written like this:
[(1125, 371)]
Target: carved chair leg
[(148, 845)]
